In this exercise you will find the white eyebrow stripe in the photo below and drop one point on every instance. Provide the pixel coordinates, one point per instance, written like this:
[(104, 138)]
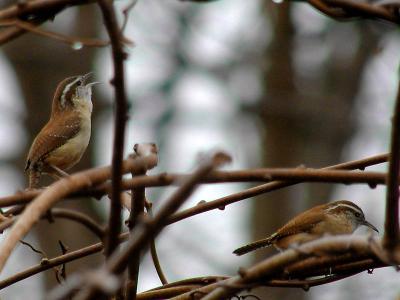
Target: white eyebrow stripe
[(66, 89), (345, 205)]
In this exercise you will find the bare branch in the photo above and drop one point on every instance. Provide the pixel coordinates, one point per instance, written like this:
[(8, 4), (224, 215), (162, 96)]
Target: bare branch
[(391, 237), (37, 8), (50, 263), (350, 9), (265, 188), (138, 200), (147, 230), (275, 265), (250, 175), (48, 198), (121, 111), (27, 26)]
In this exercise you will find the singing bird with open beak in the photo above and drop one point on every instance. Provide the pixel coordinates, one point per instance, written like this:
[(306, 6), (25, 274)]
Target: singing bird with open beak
[(63, 140)]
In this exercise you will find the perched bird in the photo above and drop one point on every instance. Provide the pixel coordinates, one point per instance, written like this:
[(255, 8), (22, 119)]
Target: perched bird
[(339, 217), (63, 140)]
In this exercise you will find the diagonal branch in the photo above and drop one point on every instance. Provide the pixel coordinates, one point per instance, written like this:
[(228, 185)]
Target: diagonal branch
[(275, 265), (149, 229), (71, 40), (48, 198), (265, 188)]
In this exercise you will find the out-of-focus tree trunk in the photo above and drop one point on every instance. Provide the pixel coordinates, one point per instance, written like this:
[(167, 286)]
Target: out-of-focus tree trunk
[(40, 63), (303, 122)]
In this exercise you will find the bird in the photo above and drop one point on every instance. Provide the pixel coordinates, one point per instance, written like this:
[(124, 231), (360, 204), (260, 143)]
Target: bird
[(61, 143), (339, 217)]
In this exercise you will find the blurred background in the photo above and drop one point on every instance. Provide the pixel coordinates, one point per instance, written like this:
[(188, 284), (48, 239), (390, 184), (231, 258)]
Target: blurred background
[(273, 84)]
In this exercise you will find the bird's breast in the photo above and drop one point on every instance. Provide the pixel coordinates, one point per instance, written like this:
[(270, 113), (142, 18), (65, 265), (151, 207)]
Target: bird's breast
[(67, 155)]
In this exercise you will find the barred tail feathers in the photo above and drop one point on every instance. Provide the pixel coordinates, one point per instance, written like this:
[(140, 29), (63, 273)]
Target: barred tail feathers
[(255, 245)]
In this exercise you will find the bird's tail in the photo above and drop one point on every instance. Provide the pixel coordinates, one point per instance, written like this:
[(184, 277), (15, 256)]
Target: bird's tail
[(255, 245)]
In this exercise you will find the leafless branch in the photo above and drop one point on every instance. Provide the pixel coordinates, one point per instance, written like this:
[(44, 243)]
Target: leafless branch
[(251, 175), (121, 110), (27, 26), (50, 263), (154, 255), (275, 265), (138, 200), (49, 197), (147, 230), (350, 9), (391, 237), (221, 203)]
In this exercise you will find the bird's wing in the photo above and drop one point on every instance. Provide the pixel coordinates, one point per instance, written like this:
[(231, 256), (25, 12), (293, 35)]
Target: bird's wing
[(301, 223), (51, 137)]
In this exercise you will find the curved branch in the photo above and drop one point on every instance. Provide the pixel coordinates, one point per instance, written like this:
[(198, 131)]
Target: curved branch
[(350, 9), (149, 229), (65, 213), (275, 265), (51, 196)]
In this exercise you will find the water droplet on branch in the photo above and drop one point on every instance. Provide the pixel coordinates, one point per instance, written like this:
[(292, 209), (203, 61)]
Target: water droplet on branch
[(77, 45)]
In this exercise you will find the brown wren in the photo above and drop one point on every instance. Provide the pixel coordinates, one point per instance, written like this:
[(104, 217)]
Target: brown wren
[(339, 217), (63, 140)]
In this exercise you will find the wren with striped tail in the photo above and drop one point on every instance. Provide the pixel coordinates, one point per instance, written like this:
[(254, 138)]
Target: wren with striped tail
[(339, 217)]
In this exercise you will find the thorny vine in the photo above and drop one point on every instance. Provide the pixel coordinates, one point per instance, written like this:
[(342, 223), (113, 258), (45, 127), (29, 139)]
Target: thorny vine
[(342, 256)]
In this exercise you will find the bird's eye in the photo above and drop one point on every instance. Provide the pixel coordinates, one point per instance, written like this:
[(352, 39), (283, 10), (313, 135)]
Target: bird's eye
[(357, 214)]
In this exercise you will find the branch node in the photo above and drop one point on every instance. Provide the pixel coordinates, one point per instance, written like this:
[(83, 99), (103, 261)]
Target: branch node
[(242, 272)]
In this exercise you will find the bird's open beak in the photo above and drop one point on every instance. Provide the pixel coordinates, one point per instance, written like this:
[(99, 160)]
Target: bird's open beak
[(92, 83), (85, 77), (366, 223)]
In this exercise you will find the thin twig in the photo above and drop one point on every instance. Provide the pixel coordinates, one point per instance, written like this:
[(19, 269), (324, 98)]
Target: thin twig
[(138, 199), (148, 230), (126, 12), (71, 40), (221, 203), (69, 214), (121, 111), (33, 248), (48, 198), (38, 7), (59, 260), (349, 9), (154, 255), (275, 265)]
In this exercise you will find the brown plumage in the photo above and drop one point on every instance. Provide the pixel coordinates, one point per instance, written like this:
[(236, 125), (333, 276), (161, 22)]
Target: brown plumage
[(62, 141), (339, 217)]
